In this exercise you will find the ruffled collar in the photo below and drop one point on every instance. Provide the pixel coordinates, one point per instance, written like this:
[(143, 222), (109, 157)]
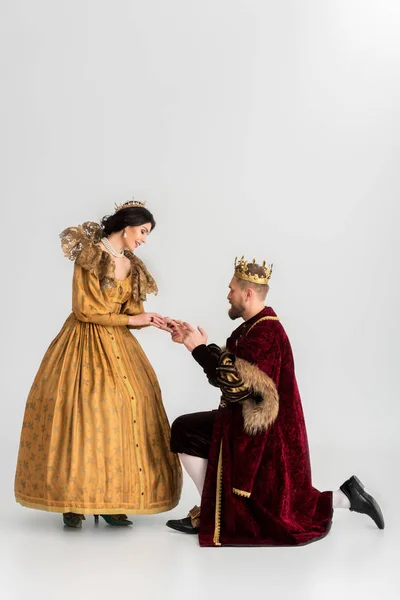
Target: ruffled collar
[(81, 245)]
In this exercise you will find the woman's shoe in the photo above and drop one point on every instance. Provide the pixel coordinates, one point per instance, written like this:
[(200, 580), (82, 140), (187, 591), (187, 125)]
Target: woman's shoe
[(117, 520), (73, 520)]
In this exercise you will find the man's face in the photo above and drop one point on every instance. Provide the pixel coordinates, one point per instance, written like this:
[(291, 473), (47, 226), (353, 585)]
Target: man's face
[(236, 299)]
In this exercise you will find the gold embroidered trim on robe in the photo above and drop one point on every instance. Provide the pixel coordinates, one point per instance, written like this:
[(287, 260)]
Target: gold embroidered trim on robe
[(259, 321), (241, 493), (218, 501)]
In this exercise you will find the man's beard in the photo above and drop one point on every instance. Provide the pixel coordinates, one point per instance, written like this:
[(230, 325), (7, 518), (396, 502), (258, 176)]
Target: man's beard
[(235, 312)]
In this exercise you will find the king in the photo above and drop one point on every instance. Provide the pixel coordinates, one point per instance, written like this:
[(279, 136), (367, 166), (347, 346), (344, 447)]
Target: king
[(250, 459)]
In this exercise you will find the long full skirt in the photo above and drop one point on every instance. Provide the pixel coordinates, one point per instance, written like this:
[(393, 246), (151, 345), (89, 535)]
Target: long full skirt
[(95, 436)]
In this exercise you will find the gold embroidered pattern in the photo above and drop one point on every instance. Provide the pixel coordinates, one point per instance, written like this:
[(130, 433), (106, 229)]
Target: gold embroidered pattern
[(259, 321), (95, 435), (241, 493), (231, 384), (218, 501)]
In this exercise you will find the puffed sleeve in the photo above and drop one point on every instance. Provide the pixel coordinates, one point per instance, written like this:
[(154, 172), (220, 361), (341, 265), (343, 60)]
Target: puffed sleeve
[(133, 307), (89, 303)]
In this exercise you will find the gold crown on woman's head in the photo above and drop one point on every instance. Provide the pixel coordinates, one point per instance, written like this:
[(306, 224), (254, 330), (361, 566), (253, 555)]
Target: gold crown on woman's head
[(131, 204), (244, 270)]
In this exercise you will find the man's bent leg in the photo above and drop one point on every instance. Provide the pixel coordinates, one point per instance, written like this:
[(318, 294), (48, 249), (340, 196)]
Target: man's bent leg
[(191, 439), (340, 500), (196, 468), (192, 433)]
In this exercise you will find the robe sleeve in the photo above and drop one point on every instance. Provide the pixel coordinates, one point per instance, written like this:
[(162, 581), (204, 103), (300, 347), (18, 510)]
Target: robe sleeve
[(252, 424), (89, 303), (208, 358)]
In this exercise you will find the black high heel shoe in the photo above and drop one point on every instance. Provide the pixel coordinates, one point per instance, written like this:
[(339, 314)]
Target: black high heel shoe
[(73, 520), (116, 520)]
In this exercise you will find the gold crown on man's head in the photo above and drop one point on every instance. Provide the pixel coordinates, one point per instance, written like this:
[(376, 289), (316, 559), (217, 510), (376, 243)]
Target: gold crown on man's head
[(131, 204), (242, 271)]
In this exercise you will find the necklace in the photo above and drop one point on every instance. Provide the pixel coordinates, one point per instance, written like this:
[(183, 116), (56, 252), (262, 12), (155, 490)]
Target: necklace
[(111, 249)]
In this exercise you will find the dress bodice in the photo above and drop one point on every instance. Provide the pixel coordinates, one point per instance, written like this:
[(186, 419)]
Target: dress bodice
[(121, 293)]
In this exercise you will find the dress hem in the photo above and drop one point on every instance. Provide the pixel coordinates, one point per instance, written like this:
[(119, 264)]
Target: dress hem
[(124, 508)]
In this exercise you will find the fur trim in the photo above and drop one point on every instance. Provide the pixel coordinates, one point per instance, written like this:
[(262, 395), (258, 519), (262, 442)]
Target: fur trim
[(258, 417)]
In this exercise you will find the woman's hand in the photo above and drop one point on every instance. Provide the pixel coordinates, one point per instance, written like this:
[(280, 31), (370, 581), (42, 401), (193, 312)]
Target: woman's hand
[(183, 333), (174, 327), (147, 318)]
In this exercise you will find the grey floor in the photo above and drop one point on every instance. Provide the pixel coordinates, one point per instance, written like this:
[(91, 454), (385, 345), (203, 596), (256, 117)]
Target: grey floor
[(40, 559)]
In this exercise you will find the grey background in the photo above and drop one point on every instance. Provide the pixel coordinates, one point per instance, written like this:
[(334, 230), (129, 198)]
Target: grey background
[(269, 129)]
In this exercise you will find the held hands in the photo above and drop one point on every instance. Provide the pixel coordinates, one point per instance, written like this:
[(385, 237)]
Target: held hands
[(175, 329), (184, 333), (181, 332), (148, 318)]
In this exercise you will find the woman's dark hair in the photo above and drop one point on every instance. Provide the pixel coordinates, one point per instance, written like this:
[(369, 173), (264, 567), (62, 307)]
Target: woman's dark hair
[(127, 217)]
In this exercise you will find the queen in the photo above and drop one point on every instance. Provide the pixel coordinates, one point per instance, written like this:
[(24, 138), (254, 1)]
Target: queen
[(95, 436)]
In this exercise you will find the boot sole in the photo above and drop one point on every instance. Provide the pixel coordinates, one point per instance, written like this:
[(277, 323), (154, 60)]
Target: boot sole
[(182, 530)]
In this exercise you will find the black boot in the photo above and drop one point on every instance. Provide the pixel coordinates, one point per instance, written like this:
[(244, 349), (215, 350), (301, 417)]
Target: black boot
[(73, 520), (189, 524), (362, 502)]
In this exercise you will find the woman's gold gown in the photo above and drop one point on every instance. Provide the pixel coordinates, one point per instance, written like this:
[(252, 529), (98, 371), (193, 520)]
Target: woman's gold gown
[(95, 436)]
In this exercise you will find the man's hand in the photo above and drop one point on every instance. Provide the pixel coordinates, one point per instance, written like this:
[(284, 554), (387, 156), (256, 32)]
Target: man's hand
[(175, 328), (192, 337)]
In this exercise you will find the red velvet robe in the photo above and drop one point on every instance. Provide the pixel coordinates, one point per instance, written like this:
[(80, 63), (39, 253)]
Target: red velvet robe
[(278, 506)]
